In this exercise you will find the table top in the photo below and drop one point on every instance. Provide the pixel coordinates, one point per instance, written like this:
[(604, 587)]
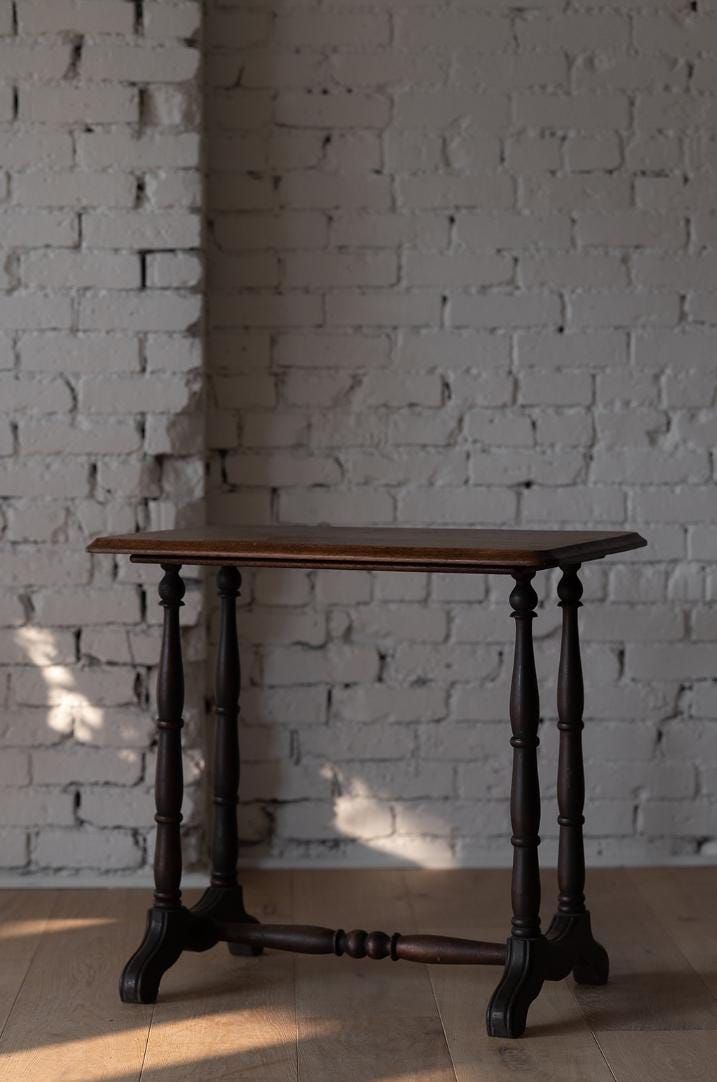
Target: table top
[(369, 548)]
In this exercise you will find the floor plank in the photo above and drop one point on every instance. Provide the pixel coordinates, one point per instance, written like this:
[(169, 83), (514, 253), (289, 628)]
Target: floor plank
[(685, 901), (559, 1047), (360, 1020), (661, 1057), (24, 916), (67, 1024), (652, 985), (224, 1017)]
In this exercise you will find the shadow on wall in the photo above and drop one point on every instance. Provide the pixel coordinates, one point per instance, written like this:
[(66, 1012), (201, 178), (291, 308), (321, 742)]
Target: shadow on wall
[(273, 423)]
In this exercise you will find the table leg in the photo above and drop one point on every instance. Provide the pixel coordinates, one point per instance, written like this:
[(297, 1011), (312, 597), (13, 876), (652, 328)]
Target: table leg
[(523, 975), (572, 919), (224, 900), (164, 936)]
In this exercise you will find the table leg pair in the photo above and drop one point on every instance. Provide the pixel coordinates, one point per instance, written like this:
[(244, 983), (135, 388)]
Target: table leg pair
[(529, 957)]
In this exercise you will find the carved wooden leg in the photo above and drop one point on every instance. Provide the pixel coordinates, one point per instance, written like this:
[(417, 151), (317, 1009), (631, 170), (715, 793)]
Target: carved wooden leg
[(572, 919), (167, 919), (523, 975), (224, 900)]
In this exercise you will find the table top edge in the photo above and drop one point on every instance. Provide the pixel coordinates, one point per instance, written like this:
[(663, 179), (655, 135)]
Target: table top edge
[(164, 546)]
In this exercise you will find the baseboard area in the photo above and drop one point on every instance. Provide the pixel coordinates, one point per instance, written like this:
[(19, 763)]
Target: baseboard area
[(197, 880)]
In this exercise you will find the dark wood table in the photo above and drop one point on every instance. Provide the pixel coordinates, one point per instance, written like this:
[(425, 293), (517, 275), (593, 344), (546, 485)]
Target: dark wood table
[(528, 957)]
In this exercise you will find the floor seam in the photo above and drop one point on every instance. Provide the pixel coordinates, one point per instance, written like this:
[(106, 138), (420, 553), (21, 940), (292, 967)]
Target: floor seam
[(409, 902)]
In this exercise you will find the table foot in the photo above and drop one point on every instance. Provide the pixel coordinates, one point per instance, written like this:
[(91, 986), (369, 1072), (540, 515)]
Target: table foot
[(591, 964), (164, 941), (521, 982), (225, 905)]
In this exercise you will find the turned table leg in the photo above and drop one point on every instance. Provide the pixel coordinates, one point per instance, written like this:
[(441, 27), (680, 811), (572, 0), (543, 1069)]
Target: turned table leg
[(165, 931), (572, 919), (224, 900), (523, 975)]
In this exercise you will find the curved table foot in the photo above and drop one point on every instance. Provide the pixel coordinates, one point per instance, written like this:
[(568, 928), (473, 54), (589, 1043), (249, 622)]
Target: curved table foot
[(163, 942), (521, 982)]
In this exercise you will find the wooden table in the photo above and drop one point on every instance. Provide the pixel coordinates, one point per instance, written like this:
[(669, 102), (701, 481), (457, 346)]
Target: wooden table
[(528, 957)]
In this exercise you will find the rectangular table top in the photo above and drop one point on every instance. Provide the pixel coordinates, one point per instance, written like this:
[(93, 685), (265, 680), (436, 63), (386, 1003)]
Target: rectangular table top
[(371, 548)]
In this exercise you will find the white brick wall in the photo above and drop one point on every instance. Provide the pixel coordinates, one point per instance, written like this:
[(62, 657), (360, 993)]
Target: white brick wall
[(102, 429), (461, 263), (461, 269)]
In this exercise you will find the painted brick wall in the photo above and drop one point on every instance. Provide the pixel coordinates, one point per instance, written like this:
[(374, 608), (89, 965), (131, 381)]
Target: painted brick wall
[(102, 417), (460, 270), (461, 260)]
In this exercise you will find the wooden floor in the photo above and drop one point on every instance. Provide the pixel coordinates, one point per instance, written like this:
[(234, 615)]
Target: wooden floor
[(284, 1018)]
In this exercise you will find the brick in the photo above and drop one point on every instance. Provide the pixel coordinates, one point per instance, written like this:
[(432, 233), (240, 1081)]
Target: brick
[(305, 109), (23, 55), (543, 193), (493, 190), (62, 105), (380, 310), (74, 189), (13, 848), (38, 228), (285, 665), (331, 350), (86, 269), (682, 38), (457, 506), (426, 269), (53, 352), (378, 703), (439, 108), (118, 394), (349, 269), (511, 71), (6, 109), (386, 230), (28, 808), (525, 309), (154, 310), (574, 271), (82, 16), (386, 66), (592, 153), (41, 311), (139, 63), (97, 150), (173, 270), (546, 349), (585, 112), (575, 33), (622, 309), (412, 780), (141, 229), (317, 191), (180, 20), (31, 521), (366, 506), (507, 229), (631, 229), (20, 149), (448, 33), (86, 848), (456, 349), (529, 153), (596, 503)]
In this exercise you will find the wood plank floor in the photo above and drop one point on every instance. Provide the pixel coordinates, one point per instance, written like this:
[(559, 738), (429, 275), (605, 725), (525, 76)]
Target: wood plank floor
[(288, 1018)]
